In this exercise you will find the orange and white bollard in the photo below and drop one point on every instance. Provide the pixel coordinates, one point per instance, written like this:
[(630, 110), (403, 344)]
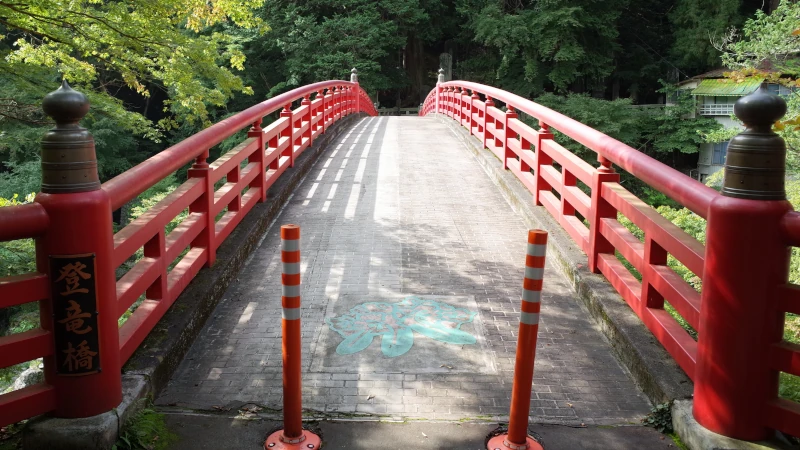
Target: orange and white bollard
[(292, 436), (517, 437)]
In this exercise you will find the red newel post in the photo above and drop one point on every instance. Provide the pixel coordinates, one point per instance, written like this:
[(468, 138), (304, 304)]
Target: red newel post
[(487, 118), (356, 91), (325, 101), (600, 209), (473, 122), (460, 105), (204, 205), (288, 132), (260, 182), (293, 436), (746, 260), (319, 111), (517, 437), (507, 152), (308, 133), (439, 82), (541, 159), (76, 253)]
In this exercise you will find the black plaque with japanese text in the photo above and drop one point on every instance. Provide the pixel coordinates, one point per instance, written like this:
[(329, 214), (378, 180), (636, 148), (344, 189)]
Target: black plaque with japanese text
[(74, 294)]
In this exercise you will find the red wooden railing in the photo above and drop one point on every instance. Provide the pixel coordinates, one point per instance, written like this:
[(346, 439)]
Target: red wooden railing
[(22, 222), (589, 212), (170, 260)]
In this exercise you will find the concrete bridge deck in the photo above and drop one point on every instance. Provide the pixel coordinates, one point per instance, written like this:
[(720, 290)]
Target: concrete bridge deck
[(397, 208)]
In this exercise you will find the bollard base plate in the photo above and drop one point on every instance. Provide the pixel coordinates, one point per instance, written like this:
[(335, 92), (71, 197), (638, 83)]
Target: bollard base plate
[(309, 441), (500, 443)]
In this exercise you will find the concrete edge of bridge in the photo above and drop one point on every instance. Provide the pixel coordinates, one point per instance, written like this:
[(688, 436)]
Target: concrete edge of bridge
[(695, 436), (652, 368), (152, 365)]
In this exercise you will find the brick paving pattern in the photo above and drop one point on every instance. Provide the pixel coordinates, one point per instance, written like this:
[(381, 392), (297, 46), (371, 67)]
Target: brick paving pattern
[(397, 207)]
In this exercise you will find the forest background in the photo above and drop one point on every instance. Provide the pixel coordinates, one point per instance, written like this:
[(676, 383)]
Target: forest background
[(158, 73)]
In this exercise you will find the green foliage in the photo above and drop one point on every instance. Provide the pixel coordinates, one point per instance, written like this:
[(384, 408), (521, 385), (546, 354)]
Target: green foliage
[(660, 418), (766, 38), (677, 128), (319, 40), (615, 118), (16, 257), (147, 430), (677, 440), (141, 45), (770, 41), (141, 205), (696, 24), (789, 387), (553, 40)]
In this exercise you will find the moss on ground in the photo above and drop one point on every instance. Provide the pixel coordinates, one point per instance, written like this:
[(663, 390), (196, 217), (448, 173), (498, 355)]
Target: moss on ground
[(147, 430)]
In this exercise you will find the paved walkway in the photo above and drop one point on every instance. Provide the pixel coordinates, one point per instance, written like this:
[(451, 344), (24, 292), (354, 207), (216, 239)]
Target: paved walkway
[(398, 218), (214, 432)]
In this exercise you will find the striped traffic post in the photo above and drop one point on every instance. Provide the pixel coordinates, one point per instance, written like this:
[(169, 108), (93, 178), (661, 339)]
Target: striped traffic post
[(517, 437), (292, 436)]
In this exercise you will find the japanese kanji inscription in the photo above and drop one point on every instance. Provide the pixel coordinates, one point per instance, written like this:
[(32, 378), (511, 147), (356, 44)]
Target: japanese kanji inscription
[(74, 295)]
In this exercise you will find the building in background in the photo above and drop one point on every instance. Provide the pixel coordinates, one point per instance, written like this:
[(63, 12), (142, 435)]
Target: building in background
[(715, 96)]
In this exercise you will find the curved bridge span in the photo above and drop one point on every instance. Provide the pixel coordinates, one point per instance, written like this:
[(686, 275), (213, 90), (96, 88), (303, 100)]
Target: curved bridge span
[(398, 209), (412, 244)]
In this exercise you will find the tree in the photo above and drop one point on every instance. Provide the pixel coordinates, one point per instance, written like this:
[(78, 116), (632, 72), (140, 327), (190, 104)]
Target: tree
[(320, 40), (768, 47), (677, 128), (696, 24), (106, 47), (549, 41)]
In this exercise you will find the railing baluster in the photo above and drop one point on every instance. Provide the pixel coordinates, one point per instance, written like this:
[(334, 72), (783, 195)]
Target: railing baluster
[(156, 248), (654, 255)]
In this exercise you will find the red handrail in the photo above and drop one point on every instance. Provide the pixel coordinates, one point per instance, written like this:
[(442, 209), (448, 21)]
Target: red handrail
[(126, 186), (685, 190), (22, 221), (738, 354), (79, 224)]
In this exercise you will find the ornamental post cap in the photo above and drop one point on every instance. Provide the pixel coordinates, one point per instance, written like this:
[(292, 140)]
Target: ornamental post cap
[(69, 162), (755, 163), (354, 70), (65, 105), (759, 109), (441, 71)]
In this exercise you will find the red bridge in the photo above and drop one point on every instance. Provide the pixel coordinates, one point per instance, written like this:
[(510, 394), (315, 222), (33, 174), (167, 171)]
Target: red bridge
[(734, 363)]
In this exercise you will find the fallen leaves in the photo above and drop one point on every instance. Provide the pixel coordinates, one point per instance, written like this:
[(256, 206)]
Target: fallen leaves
[(250, 412)]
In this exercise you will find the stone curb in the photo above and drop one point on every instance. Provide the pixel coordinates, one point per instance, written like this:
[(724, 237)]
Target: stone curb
[(652, 368), (695, 436), (152, 365)]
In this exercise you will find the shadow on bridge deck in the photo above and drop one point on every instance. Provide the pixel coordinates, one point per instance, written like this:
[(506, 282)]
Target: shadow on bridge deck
[(397, 208)]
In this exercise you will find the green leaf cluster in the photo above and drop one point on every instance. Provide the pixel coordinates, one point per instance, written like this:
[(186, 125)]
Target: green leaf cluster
[(660, 418), (139, 45)]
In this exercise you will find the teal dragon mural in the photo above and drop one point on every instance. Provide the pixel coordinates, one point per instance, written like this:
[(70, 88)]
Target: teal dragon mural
[(395, 324)]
